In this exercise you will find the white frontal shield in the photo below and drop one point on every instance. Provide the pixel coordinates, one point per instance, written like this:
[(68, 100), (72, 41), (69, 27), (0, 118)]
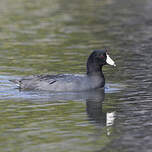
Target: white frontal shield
[(110, 61)]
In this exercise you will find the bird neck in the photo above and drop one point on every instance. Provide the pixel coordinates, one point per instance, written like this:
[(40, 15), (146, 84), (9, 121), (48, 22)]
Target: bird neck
[(93, 69)]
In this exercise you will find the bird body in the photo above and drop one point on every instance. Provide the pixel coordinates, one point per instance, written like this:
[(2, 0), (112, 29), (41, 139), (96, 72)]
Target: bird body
[(93, 79)]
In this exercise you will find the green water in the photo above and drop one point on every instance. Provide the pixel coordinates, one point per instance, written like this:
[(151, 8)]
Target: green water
[(56, 36)]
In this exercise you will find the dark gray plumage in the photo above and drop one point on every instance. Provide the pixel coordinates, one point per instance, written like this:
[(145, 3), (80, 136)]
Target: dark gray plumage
[(94, 77)]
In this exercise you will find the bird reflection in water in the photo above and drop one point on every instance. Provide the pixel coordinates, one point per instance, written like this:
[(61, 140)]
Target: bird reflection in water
[(95, 111), (94, 104)]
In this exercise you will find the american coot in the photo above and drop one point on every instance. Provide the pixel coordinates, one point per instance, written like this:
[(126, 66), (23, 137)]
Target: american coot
[(93, 79)]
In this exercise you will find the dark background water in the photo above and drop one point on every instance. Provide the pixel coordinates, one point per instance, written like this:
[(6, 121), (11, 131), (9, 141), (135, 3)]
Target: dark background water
[(56, 36)]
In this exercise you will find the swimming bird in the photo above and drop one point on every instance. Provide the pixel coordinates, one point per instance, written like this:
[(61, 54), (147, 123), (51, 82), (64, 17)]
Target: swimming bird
[(93, 79)]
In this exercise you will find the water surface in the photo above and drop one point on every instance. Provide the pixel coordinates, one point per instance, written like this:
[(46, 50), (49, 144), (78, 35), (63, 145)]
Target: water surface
[(56, 36)]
